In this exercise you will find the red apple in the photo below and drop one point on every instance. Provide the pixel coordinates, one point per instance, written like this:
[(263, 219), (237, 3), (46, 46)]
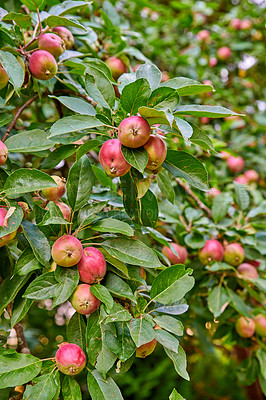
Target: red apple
[(235, 164), (245, 327), (203, 35), (67, 251), (42, 65), (65, 209), (134, 131), (156, 150), (234, 254), (212, 62), (241, 179), (52, 43), (246, 24), (10, 236), (3, 152), (112, 159), (235, 23), (212, 251), (248, 271), (116, 66), (4, 78), (66, 35), (224, 53), (251, 175), (70, 359), (224, 155), (92, 266), (83, 300), (213, 192), (54, 193), (174, 259)]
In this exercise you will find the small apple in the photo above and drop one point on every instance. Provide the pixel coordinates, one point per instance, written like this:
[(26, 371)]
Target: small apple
[(66, 35), (251, 175), (65, 209), (70, 359), (67, 251), (173, 258), (54, 193), (92, 266), (83, 300), (3, 152), (211, 251), (260, 325), (235, 164), (156, 150), (112, 159), (134, 131), (42, 65), (4, 78), (234, 254), (52, 43), (116, 66), (146, 349), (247, 271), (224, 53), (10, 236), (245, 327)]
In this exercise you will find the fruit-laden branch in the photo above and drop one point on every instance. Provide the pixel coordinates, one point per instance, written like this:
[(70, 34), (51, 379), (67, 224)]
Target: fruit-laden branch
[(22, 346), (187, 189)]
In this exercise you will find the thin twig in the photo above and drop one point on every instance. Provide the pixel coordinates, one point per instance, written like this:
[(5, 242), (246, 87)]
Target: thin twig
[(22, 342), (187, 189)]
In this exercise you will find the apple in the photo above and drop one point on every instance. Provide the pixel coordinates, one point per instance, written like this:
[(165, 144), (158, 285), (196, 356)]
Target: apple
[(224, 53), (25, 208), (212, 62), (83, 300), (156, 150), (67, 251), (235, 23), (92, 266), (241, 179), (213, 192), (52, 43), (234, 254), (3, 152), (251, 175), (4, 78), (245, 327), (146, 349), (203, 35), (134, 131), (245, 24), (42, 65), (54, 193), (173, 258), (260, 325), (112, 159), (211, 251), (235, 164), (247, 271), (66, 35), (70, 359), (116, 66), (10, 236), (65, 209)]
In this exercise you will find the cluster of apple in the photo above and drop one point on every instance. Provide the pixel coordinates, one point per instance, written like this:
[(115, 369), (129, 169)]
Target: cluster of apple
[(133, 132)]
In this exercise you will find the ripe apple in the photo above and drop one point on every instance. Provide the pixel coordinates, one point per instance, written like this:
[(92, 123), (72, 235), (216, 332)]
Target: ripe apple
[(211, 251), (3, 152), (174, 259), (224, 53), (67, 251), (146, 349), (83, 300), (245, 327), (156, 150), (245, 24), (247, 271), (260, 325), (224, 155), (52, 43), (212, 62), (251, 175), (235, 23), (234, 254), (203, 35), (241, 179), (4, 78), (213, 192), (54, 193), (70, 359), (116, 66), (65, 209), (165, 76), (10, 236), (134, 131), (205, 120), (66, 35), (92, 266), (42, 65), (235, 164), (112, 159)]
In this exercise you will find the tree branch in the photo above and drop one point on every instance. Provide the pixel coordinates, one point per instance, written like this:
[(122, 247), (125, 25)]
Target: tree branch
[(187, 189), (22, 342)]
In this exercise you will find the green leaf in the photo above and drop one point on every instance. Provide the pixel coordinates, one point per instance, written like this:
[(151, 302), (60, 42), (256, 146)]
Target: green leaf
[(151, 73), (76, 104), (237, 303), (205, 111), (20, 309), (118, 287), (217, 300), (13, 222), (32, 4), (103, 178), (175, 396), (29, 141), (22, 20), (141, 331), (220, 206), (170, 324), (103, 295), (94, 91), (13, 69), (163, 98), (26, 262), (184, 165), (166, 340), (154, 116), (59, 154), (71, 389), (113, 225), (67, 7), (174, 308), (38, 242), (17, 369), (68, 279), (135, 95), (76, 330), (261, 356), (184, 128), (27, 180), (171, 284), (45, 385), (102, 389), (79, 184), (180, 361), (86, 147), (42, 287), (165, 186), (122, 344), (138, 158), (74, 123), (53, 216), (9, 289), (54, 20), (105, 87), (200, 138), (132, 251), (187, 87), (118, 314), (242, 197), (87, 214)]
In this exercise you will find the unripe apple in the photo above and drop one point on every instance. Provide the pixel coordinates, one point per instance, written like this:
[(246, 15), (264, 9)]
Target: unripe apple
[(112, 159), (241, 179), (54, 193), (247, 271), (246, 24), (66, 35), (67, 251), (212, 251), (134, 131), (174, 259), (4, 78), (260, 325), (116, 66), (213, 192), (212, 62), (83, 300), (65, 209), (25, 208), (92, 266), (203, 35), (10, 236), (245, 327), (42, 65), (52, 43), (3, 152), (235, 164), (156, 150), (146, 349), (234, 254), (70, 359), (235, 23), (224, 53), (251, 175)]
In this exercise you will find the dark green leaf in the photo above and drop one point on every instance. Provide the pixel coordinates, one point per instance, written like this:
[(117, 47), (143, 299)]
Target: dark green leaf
[(135, 95), (76, 331), (9, 288), (138, 158), (71, 389), (141, 331), (42, 287), (26, 263), (38, 242)]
